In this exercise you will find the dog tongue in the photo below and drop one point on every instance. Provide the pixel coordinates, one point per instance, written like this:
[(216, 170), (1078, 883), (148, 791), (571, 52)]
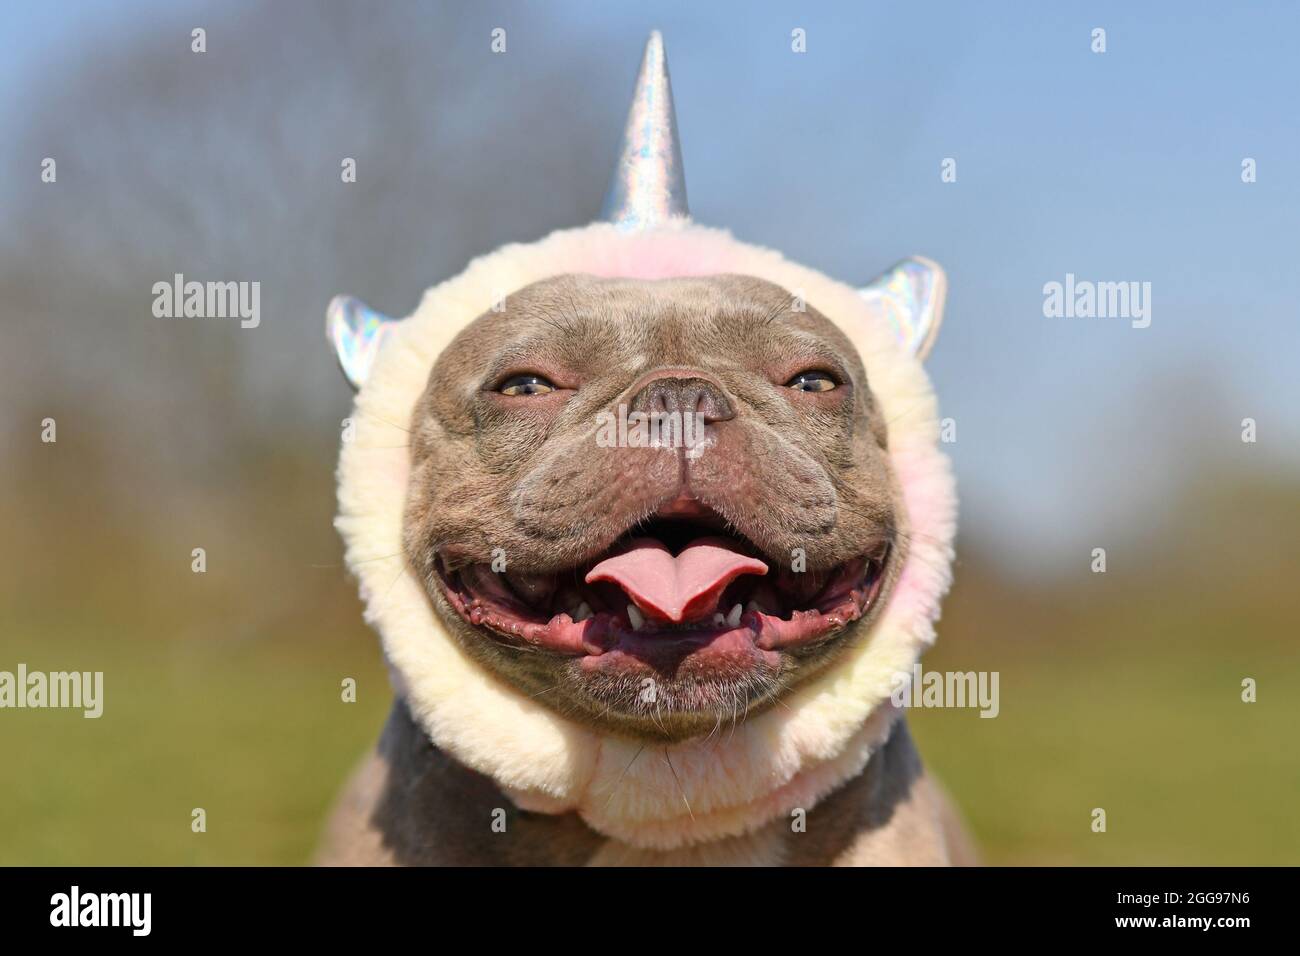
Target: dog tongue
[(678, 589)]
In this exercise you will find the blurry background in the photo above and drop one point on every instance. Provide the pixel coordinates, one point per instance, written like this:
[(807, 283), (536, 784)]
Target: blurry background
[(1118, 690)]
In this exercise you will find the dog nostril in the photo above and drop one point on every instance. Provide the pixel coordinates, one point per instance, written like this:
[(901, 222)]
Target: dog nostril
[(686, 396), (711, 403)]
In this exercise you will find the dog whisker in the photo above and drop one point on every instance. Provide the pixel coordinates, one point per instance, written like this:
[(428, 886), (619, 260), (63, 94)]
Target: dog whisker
[(387, 422), (680, 789), (617, 783)]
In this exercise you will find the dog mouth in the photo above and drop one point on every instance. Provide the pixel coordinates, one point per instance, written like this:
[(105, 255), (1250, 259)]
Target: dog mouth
[(667, 587)]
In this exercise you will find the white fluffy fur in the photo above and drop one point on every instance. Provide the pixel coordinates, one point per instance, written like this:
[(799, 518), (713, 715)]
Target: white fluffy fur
[(789, 756)]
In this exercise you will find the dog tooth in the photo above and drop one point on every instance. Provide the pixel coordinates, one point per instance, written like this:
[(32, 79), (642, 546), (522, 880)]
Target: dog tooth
[(733, 619), (635, 617), (718, 619), (752, 607), (582, 612)]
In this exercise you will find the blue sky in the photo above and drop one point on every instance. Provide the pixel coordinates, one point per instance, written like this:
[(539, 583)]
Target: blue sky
[(1115, 167)]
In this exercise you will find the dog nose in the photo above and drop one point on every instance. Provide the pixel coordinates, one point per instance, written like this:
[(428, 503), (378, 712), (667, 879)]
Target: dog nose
[(685, 392)]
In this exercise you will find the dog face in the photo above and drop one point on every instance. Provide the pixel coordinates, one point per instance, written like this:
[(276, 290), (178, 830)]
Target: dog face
[(654, 506)]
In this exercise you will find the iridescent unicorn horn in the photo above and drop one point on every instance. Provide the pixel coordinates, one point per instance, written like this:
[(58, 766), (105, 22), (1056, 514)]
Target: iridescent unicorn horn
[(649, 185)]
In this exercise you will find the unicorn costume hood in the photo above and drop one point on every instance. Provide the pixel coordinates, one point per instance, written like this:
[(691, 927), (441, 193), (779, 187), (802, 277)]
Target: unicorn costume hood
[(786, 757)]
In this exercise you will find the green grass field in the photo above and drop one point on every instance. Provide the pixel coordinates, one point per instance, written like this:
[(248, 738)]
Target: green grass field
[(257, 735), (1186, 772)]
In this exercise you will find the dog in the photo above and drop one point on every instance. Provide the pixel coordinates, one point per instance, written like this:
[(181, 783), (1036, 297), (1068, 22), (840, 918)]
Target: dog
[(618, 646)]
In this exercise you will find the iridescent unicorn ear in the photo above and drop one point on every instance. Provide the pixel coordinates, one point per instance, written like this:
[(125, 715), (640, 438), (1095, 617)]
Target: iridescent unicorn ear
[(356, 331), (910, 298)]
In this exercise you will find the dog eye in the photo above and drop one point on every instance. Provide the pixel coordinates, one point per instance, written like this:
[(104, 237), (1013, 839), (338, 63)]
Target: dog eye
[(526, 385), (812, 382)]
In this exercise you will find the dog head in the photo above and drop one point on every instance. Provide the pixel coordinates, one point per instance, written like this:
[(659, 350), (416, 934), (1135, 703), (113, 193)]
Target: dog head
[(654, 506), (501, 470)]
